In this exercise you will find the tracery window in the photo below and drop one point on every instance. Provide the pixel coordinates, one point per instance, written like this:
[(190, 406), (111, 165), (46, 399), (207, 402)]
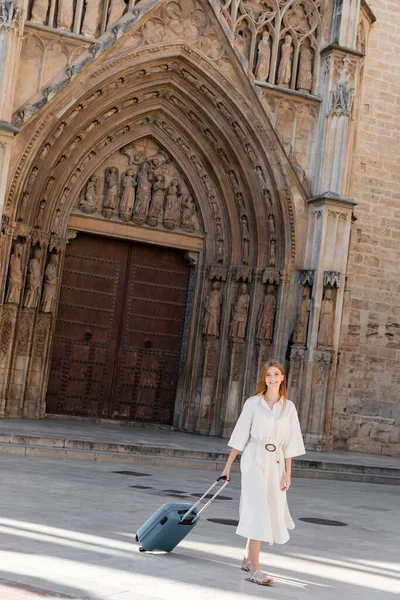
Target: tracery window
[(280, 39)]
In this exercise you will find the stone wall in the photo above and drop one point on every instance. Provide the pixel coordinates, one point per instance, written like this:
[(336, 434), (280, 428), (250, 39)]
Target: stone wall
[(367, 403)]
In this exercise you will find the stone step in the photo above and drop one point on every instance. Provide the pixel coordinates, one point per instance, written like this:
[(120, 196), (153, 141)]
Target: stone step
[(146, 454)]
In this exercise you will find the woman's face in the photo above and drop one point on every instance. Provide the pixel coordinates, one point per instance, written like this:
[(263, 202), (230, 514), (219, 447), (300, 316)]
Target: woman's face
[(273, 378)]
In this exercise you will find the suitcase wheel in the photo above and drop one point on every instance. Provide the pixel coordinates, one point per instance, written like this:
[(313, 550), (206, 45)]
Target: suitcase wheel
[(136, 537), (142, 549)]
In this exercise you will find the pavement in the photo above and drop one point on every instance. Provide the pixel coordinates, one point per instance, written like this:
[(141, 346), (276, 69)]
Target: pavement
[(67, 530), (161, 446)]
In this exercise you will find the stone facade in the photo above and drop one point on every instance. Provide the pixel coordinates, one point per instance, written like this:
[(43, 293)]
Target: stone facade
[(228, 130)]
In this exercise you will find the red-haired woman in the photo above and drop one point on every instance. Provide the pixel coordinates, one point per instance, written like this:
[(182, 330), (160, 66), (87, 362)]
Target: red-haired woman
[(268, 433)]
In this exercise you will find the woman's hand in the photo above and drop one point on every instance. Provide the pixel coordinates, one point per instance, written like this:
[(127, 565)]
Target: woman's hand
[(226, 472), (285, 482)]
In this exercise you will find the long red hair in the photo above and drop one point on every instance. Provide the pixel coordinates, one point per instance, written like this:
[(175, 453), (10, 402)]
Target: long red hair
[(262, 386)]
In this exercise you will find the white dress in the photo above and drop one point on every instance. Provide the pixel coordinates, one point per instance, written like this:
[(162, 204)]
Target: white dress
[(264, 513)]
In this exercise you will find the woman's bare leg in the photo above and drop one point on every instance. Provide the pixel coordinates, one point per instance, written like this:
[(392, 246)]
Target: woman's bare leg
[(253, 554)]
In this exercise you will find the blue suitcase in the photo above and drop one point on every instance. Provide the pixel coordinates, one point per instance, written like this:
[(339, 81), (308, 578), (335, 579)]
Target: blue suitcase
[(172, 522)]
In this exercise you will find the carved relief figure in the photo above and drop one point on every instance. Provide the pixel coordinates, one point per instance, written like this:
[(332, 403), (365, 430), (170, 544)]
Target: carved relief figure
[(285, 65), (272, 253), (15, 281), (50, 284), (325, 332), (188, 214), (157, 201), (128, 196), (243, 39), (117, 9), (34, 280), (40, 213), (143, 193), (111, 192), (220, 251), (301, 329), (89, 26), (65, 14), (88, 204), (305, 80), (172, 207), (213, 310), (245, 251), (240, 314), (39, 11), (266, 318), (263, 58), (271, 223)]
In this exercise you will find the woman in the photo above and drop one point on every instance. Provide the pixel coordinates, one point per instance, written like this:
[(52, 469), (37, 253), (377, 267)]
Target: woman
[(268, 433)]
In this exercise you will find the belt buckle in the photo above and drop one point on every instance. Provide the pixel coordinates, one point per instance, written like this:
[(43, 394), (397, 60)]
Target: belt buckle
[(270, 447)]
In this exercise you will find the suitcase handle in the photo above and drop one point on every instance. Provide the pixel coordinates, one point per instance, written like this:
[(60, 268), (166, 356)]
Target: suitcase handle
[(207, 504)]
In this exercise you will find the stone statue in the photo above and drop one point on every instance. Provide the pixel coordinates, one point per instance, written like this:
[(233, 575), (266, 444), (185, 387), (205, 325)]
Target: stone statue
[(220, 251), (15, 278), (285, 65), (88, 204), (50, 284), (243, 39), (301, 329), (34, 280), (40, 214), (272, 253), (188, 214), (157, 201), (111, 192), (159, 159), (325, 332), (244, 227), (128, 196), (305, 80), (89, 26), (143, 193), (39, 11), (172, 207), (271, 223), (240, 314), (265, 329), (117, 9), (213, 310), (65, 14), (245, 251), (263, 58)]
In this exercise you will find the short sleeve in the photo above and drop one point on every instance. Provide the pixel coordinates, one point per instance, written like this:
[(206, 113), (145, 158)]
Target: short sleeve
[(295, 445), (241, 433)]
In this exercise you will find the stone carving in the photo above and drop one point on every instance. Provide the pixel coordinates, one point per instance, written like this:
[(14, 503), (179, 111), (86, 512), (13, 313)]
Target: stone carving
[(307, 277), (272, 253), (211, 347), (240, 313), (157, 201), (243, 39), (50, 284), (65, 14), (89, 26), (24, 334), (213, 310), (343, 94), (325, 331), (188, 214), (88, 204), (39, 11), (301, 329), (172, 206), (245, 251), (266, 319), (143, 193), (117, 9), (5, 224), (40, 214), (305, 78), (7, 326), (332, 278), (111, 192), (15, 276), (263, 58), (128, 196), (285, 64), (34, 280), (271, 223)]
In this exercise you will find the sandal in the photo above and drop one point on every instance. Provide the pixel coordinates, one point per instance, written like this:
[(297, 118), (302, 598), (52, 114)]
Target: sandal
[(245, 566), (260, 578)]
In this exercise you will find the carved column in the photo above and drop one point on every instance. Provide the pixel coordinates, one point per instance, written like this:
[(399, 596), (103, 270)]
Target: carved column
[(326, 255)]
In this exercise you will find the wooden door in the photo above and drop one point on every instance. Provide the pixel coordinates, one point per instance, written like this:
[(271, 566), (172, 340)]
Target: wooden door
[(118, 332)]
